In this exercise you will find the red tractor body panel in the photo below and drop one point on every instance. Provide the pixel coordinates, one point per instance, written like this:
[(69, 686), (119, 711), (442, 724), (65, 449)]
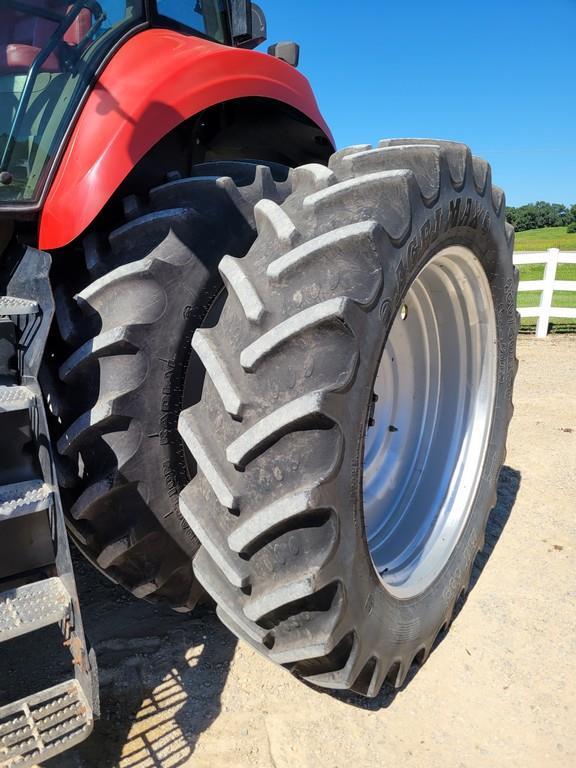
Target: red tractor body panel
[(157, 79)]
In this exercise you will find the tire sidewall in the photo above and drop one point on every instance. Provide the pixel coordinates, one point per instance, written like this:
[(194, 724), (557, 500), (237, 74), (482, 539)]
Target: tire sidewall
[(417, 620)]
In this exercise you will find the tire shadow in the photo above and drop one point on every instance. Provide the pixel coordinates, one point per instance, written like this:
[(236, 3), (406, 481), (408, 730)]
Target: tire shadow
[(508, 485), (161, 675)]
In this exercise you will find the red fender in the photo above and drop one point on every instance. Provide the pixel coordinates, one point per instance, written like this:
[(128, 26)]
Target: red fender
[(155, 81)]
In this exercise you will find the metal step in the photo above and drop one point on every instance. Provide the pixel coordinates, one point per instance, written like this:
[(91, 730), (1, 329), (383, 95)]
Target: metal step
[(38, 727), (11, 305), (32, 606), (24, 498), (42, 725), (13, 398)]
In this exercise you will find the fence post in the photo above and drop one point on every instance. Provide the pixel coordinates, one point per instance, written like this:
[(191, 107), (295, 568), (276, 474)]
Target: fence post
[(547, 293)]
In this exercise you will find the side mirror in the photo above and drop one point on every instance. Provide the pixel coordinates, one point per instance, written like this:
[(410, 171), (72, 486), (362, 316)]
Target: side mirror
[(248, 24), (259, 31), (288, 52), (240, 21)]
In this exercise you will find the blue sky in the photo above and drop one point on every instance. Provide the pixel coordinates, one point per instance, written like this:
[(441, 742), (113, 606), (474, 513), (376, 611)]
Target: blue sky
[(498, 75)]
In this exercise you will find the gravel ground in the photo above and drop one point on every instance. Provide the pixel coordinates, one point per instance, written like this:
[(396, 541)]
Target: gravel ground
[(499, 689)]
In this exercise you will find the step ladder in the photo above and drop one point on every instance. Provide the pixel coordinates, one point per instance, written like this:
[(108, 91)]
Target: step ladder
[(50, 721)]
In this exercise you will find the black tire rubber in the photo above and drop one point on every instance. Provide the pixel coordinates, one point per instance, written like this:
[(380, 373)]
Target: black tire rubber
[(279, 432), (126, 363)]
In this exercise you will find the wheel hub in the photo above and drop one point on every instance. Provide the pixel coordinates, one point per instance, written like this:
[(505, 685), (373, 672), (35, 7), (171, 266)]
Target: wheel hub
[(426, 442)]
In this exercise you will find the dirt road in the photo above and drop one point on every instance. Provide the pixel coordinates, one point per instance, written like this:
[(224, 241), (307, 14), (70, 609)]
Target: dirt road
[(499, 690)]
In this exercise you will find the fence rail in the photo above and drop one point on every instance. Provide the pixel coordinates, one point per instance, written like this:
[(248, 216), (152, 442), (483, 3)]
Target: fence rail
[(544, 311)]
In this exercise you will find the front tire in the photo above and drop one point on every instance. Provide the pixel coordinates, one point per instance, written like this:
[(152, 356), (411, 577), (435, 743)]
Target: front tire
[(324, 552)]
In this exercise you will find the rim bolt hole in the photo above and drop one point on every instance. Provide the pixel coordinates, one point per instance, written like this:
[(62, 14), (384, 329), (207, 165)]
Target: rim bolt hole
[(403, 311)]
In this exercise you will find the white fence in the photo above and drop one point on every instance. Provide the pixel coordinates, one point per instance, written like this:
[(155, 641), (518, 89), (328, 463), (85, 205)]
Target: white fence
[(550, 258)]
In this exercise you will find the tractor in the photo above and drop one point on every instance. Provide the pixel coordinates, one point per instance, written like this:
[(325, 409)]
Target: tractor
[(237, 365)]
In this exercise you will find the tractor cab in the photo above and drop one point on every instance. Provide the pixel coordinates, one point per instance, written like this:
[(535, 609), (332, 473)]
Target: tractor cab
[(50, 54)]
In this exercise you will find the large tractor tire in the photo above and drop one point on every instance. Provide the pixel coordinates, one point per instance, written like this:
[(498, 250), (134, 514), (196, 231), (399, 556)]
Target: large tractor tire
[(127, 368), (353, 421)]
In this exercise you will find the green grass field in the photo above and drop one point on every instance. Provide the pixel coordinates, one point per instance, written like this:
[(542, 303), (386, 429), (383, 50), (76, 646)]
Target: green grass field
[(540, 240)]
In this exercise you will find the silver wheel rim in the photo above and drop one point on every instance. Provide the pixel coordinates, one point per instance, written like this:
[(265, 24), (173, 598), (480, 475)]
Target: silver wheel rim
[(426, 443)]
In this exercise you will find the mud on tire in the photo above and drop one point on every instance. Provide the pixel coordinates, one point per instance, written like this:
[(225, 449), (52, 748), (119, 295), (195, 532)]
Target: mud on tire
[(278, 435), (126, 368)]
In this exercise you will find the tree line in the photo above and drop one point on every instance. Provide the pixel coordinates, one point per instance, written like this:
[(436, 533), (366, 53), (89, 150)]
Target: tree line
[(542, 214)]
